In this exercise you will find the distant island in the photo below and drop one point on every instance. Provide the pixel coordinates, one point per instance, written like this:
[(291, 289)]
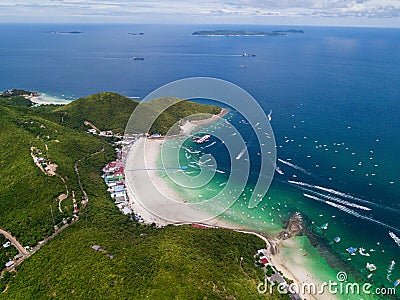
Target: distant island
[(64, 32), (245, 32)]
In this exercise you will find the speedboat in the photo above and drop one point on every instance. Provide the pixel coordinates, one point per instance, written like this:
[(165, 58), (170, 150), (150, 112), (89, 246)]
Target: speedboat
[(370, 267), (351, 250), (397, 282)]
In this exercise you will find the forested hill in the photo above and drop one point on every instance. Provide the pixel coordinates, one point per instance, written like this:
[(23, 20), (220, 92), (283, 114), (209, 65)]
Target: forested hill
[(111, 111), (180, 262), (107, 111)]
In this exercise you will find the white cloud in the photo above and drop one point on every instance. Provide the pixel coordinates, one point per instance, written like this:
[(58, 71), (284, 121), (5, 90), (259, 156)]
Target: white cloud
[(195, 10)]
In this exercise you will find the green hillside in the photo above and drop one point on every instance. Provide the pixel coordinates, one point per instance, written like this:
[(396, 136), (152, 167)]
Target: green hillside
[(26, 192), (149, 263), (111, 111), (168, 115), (107, 111)]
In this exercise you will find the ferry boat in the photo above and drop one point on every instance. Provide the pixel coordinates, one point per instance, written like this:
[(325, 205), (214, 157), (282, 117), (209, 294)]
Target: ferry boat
[(203, 139)]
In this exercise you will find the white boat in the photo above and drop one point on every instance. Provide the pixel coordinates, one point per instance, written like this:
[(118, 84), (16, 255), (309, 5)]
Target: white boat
[(269, 116), (279, 171), (370, 267), (361, 251), (395, 238), (202, 139)]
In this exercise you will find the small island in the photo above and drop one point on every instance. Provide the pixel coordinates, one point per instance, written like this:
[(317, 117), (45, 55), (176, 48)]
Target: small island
[(65, 32), (245, 33)]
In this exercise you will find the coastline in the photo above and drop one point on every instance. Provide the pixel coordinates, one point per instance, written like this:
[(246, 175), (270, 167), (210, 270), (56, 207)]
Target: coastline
[(144, 200), (188, 126), (153, 204), (44, 99)]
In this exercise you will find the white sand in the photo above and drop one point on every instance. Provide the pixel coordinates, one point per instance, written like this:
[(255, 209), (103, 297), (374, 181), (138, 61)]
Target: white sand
[(294, 267), (188, 127), (151, 197), (44, 99)]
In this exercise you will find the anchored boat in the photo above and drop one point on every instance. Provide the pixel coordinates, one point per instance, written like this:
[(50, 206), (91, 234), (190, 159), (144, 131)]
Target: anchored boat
[(370, 267), (325, 226)]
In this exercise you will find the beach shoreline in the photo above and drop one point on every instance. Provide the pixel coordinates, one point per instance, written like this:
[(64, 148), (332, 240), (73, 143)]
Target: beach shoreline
[(189, 126), (44, 99), (151, 204), (149, 193)]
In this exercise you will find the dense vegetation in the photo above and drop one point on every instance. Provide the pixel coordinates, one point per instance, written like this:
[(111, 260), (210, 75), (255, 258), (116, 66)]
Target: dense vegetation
[(107, 111), (111, 111), (6, 253), (173, 262), (15, 98), (168, 115)]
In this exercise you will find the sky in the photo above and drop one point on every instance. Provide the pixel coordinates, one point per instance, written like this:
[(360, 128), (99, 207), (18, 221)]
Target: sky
[(380, 13)]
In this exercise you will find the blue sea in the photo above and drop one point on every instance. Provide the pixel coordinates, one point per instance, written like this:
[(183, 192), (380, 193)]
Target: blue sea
[(335, 97)]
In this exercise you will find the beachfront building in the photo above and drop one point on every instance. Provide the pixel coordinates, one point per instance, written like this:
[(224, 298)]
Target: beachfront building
[(264, 260), (113, 174)]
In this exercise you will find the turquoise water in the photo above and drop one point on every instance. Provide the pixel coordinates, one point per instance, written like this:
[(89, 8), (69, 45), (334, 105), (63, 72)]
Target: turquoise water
[(328, 169)]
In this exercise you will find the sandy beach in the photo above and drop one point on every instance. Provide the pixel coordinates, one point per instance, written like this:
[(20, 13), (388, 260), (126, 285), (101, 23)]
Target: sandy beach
[(150, 196), (188, 127), (43, 99), (293, 264)]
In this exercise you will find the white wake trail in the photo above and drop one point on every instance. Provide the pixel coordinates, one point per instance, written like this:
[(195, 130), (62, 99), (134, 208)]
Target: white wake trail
[(239, 156), (331, 191), (338, 200), (213, 143), (344, 195), (295, 167), (395, 238), (390, 270), (352, 212)]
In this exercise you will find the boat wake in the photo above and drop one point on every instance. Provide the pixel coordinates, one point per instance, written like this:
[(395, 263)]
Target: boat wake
[(239, 156), (269, 116), (295, 167), (330, 191), (395, 238), (352, 212), (213, 143), (338, 200), (343, 195), (390, 270), (191, 151)]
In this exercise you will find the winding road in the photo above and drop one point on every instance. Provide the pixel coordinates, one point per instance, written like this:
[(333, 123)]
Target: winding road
[(14, 241)]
